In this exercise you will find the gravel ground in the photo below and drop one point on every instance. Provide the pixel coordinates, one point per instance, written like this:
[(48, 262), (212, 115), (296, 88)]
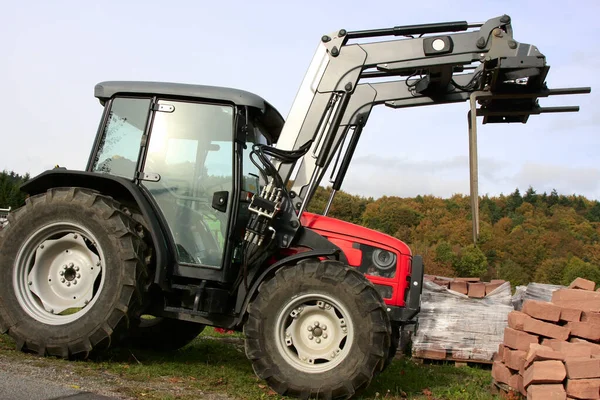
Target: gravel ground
[(30, 374), (16, 386), (35, 378)]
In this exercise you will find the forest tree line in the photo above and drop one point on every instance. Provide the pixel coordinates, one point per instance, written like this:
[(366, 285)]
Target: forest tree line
[(10, 195), (530, 237)]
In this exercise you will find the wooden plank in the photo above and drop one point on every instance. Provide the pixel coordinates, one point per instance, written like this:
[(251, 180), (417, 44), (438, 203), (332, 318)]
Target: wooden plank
[(458, 362), (505, 391)]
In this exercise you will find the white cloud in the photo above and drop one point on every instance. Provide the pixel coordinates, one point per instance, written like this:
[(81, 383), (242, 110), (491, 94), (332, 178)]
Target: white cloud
[(371, 176), (377, 176), (408, 184), (567, 180)]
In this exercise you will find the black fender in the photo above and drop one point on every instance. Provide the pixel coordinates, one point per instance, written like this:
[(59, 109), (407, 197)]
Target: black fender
[(320, 247), (122, 190)]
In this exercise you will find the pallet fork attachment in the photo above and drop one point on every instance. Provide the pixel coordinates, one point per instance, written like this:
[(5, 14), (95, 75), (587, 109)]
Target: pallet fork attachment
[(492, 114), (430, 64)]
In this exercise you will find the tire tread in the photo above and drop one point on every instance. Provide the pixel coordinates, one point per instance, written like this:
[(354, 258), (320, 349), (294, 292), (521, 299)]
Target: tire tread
[(326, 271), (123, 232)]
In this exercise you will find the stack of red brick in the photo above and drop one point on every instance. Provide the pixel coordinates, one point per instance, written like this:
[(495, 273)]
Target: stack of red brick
[(551, 350), (455, 327), (472, 287)]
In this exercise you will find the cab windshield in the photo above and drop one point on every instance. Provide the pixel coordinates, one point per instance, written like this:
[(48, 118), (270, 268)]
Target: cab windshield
[(119, 146)]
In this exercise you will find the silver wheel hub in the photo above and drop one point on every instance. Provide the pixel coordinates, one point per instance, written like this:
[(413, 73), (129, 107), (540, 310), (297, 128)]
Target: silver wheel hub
[(58, 273), (314, 336), (64, 273)]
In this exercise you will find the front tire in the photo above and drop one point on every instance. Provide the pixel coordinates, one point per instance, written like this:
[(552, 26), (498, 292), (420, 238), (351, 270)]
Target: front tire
[(70, 272), (395, 341), (318, 328)]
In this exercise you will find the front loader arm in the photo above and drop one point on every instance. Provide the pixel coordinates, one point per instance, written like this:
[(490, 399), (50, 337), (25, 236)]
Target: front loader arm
[(394, 94), (446, 63)]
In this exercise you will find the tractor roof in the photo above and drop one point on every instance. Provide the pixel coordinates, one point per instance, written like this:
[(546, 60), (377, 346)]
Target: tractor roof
[(271, 117)]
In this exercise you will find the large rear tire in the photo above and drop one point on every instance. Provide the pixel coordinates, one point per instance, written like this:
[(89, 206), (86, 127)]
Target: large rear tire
[(71, 272), (318, 328)]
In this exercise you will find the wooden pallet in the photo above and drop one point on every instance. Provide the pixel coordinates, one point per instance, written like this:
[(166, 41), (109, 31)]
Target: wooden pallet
[(505, 391), (422, 357), (457, 362)]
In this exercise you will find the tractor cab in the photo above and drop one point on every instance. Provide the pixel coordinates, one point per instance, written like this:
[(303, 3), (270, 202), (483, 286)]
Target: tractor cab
[(188, 147)]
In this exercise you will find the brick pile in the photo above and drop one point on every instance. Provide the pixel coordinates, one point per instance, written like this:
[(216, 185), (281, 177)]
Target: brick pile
[(534, 291), (471, 287), (453, 326), (551, 350)]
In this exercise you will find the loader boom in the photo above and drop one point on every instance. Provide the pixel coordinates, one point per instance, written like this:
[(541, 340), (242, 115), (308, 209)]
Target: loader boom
[(432, 64)]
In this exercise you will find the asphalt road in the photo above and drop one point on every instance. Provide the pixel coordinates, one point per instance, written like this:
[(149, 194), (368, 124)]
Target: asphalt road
[(18, 387)]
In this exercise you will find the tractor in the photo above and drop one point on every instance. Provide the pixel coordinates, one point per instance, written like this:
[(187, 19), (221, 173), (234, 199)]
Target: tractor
[(192, 211)]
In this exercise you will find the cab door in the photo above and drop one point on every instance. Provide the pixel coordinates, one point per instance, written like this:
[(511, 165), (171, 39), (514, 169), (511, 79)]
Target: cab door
[(190, 153)]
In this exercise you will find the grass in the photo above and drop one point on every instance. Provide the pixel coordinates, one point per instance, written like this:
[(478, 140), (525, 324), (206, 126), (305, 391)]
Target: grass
[(212, 365)]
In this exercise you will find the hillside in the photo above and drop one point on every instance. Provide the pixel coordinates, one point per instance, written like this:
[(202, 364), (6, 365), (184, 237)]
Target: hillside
[(547, 238)]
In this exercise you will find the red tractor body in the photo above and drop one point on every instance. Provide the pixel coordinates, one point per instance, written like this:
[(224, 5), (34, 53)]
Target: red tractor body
[(362, 246)]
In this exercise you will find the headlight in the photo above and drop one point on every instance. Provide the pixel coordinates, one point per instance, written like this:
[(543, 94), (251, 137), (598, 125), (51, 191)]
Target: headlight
[(383, 259)]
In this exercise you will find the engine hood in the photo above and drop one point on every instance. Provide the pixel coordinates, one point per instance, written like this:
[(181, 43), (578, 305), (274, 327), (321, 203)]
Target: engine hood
[(330, 225)]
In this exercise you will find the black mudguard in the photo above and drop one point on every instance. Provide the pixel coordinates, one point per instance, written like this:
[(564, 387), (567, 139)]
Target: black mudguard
[(121, 189), (321, 247), (407, 314)]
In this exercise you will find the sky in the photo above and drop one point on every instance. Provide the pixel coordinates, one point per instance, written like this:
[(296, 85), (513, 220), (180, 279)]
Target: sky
[(53, 53)]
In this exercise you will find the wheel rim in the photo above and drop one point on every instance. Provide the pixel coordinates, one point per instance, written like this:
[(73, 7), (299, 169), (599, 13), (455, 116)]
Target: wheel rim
[(58, 273), (314, 333)]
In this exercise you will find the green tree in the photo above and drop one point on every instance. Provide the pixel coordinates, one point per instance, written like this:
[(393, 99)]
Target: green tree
[(579, 203), (346, 207), (553, 198), (530, 196), (472, 262), (513, 272), (577, 268), (10, 193), (514, 201), (564, 201), (389, 214), (490, 207), (544, 198), (444, 253), (593, 214), (551, 271)]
